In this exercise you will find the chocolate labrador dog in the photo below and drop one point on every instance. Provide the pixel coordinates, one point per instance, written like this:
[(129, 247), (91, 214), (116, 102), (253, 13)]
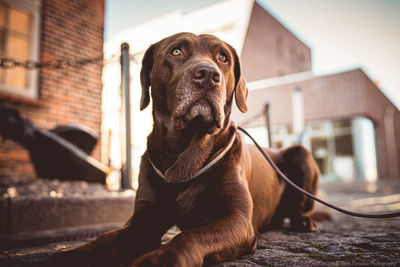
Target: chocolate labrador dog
[(197, 173)]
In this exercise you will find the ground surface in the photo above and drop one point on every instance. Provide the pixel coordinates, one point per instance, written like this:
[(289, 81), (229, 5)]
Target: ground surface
[(344, 240)]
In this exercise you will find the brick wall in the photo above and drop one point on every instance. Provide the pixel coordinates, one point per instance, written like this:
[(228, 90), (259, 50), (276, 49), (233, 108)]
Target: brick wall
[(70, 29), (270, 49), (332, 96), (386, 118)]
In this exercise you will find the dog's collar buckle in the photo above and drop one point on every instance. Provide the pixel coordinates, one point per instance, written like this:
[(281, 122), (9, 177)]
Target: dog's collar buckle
[(204, 168)]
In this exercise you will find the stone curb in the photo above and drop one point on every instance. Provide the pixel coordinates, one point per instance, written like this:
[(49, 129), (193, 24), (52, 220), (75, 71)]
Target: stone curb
[(27, 215), (42, 238)]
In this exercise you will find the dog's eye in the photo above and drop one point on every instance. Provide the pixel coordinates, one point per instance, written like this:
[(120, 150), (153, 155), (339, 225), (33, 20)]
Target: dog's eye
[(222, 57), (176, 52)]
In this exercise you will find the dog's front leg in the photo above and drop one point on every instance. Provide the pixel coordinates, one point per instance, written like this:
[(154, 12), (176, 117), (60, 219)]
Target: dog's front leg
[(226, 238), (142, 233)]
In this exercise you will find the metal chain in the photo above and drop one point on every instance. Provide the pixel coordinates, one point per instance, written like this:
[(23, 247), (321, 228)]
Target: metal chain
[(134, 57), (10, 63), (247, 121)]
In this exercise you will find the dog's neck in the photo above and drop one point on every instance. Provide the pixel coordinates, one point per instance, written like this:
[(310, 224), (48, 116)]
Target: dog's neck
[(180, 154)]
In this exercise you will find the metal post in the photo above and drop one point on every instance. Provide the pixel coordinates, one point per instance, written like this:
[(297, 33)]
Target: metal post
[(125, 95), (298, 114), (268, 123)]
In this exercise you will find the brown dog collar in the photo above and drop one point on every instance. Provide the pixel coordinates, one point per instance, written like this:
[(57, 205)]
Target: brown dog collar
[(205, 168)]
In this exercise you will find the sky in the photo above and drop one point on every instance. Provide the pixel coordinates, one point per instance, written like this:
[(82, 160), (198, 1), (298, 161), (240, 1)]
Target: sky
[(343, 34)]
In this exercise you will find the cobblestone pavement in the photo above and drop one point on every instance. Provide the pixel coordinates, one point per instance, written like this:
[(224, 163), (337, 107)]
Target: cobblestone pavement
[(344, 240)]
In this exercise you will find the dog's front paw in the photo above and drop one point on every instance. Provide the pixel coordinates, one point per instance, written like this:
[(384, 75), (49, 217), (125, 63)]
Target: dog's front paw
[(165, 257)]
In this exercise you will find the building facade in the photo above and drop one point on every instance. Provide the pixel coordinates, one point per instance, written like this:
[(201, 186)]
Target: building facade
[(350, 126), (45, 31)]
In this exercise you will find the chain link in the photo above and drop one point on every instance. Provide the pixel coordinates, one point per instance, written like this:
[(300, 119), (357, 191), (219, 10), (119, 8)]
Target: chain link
[(113, 59), (10, 63), (247, 121)]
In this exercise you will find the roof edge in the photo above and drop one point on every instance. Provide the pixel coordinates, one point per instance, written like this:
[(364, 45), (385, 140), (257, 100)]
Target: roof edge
[(284, 24), (291, 78)]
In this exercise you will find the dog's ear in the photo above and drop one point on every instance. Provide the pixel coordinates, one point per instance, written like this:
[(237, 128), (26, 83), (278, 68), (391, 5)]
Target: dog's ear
[(241, 91), (147, 65)]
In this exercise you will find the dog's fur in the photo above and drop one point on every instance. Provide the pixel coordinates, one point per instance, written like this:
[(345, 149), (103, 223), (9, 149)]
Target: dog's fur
[(193, 80)]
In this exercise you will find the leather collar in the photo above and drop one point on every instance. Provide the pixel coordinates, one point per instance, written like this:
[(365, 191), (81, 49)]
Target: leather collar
[(205, 168)]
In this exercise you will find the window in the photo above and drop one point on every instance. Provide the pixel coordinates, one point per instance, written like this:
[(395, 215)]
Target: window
[(344, 145), (321, 153), (341, 124), (19, 40)]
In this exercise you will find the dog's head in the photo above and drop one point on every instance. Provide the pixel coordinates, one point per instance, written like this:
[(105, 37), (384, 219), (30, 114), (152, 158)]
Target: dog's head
[(193, 79)]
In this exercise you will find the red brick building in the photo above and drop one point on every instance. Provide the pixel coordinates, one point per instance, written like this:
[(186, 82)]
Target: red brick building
[(351, 127), (271, 50), (47, 30)]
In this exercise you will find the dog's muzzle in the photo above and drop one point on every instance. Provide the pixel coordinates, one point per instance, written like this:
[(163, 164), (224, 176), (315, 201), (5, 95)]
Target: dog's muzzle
[(200, 99), (201, 113)]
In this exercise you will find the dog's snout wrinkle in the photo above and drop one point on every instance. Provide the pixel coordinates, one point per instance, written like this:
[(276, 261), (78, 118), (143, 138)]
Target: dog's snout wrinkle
[(206, 75)]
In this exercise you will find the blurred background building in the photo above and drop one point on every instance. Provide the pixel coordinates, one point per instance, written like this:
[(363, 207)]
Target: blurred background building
[(350, 126)]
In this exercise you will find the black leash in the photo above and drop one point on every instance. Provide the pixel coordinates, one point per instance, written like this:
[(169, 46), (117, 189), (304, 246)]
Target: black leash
[(283, 176)]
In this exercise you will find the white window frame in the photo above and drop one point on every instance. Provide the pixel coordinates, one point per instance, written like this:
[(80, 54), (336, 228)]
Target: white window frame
[(33, 7)]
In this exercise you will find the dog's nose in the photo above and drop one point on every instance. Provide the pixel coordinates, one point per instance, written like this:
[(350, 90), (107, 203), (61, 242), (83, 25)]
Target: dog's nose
[(206, 75)]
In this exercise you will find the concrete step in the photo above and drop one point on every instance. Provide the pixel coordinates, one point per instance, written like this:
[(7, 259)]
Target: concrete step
[(29, 206)]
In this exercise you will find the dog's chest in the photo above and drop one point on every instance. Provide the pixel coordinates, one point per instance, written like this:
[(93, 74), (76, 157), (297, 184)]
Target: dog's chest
[(196, 216), (195, 209)]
